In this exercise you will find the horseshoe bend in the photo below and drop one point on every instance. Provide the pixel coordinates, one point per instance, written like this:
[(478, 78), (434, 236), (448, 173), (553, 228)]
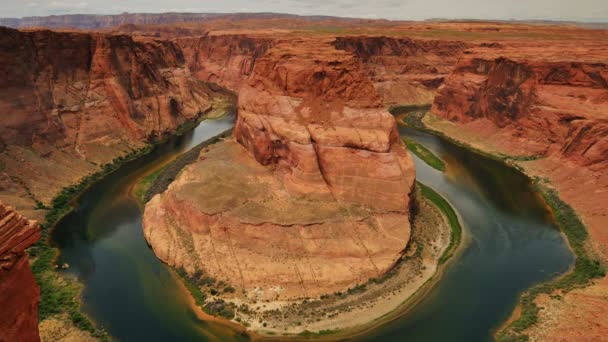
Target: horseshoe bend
[(269, 176)]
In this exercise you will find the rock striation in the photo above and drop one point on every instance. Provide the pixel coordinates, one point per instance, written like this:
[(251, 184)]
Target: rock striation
[(74, 101), (315, 197), (20, 294), (404, 70), (558, 106)]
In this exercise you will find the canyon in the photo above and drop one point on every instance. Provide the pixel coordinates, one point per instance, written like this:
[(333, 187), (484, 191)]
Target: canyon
[(314, 194)]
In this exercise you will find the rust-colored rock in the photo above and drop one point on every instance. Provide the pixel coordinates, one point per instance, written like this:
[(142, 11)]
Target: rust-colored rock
[(20, 293), (314, 200), (404, 70), (74, 101), (558, 106), (309, 109)]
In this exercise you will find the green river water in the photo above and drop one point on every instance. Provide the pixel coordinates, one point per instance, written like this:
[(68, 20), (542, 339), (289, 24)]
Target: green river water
[(510, 244)]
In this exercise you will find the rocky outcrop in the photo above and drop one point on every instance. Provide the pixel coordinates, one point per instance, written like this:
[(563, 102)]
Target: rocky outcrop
[(310, 110), (74, 101), (314, 198), (404, 70), (558, 107), (224, 59), (20, 294)]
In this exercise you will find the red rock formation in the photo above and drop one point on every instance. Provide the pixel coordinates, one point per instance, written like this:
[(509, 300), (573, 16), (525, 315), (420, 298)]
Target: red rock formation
[(20, 293), (557, 106), (74, 100), (322, 201), (404, 70), (550, 100), (309, 109), (223, 59)]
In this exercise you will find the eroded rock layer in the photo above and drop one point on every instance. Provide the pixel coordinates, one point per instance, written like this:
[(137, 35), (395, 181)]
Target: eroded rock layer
[(558, 105), (74, 101), (20, 294), (314, 198), (404, 70), (230, 218)]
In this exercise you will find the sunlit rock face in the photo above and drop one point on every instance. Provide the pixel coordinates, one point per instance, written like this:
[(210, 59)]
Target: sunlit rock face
[(312, 196)]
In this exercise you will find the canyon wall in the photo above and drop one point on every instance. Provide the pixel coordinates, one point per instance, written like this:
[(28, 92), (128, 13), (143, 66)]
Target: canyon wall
[(74, 101), (310, 109), (224, 59), (403, 70), (20, 294), (558, 107)]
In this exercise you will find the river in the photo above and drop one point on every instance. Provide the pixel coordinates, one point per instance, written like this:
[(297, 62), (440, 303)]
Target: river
[(510, 244)]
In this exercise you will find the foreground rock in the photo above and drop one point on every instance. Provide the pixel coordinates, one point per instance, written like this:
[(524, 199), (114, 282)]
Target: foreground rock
[(314, 200), (20, 294), (234, 219)]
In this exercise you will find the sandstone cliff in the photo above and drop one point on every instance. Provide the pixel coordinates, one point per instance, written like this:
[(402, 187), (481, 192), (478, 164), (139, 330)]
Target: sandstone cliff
[(404, 70), (557, 106), (315, 199), (74, 101), (20, 294)]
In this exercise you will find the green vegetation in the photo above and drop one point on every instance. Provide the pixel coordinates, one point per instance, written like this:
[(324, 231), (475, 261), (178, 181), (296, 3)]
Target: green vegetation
[(450, 214), (198, 281), (424, 154), (141, 188), (327, 332), (585, 268)]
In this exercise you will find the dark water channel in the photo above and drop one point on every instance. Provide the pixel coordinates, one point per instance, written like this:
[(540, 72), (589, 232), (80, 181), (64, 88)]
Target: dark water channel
[(510, 244)]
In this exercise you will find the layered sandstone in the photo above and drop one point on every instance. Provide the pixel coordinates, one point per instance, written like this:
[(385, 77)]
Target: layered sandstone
[(75, 101), (558, 105), (20, 294), (314, 198), (404, 70)]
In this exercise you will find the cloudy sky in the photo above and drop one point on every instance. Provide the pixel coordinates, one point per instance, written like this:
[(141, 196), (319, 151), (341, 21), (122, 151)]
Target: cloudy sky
[(581, 10)]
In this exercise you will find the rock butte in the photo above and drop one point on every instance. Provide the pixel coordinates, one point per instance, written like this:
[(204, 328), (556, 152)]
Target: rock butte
[(324, 206), (73, 101), (20, 294)]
